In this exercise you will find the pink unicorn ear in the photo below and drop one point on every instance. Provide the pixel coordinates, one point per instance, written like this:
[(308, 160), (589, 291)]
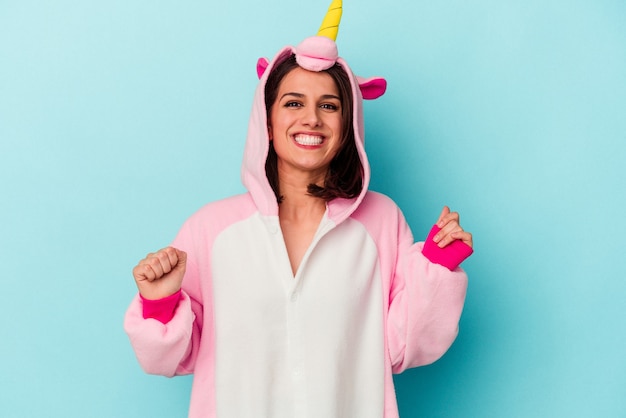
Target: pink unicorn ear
[(372, 88), (261, 66)]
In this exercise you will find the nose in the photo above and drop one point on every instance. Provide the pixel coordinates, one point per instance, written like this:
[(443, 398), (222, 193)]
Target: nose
[(311, 116)]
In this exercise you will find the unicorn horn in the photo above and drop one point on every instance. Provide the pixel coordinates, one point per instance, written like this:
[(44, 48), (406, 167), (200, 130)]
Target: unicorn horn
[(330, 25)]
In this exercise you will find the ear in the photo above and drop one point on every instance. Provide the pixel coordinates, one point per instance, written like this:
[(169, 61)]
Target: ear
[(372, 88), (261, 66)]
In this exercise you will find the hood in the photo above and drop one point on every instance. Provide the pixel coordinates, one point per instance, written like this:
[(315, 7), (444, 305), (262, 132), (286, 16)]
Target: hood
[(316, 53)]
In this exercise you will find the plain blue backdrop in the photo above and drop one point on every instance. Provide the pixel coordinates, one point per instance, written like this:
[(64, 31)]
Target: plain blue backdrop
[(118, 119)]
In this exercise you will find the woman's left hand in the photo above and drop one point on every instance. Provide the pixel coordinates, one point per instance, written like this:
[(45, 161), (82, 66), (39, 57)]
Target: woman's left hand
[(451, 229)]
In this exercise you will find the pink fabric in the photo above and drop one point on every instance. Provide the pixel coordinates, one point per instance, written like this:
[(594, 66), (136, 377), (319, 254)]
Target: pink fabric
[(160, 309), (261, 66), (449, 256), (164, 349), (317, 53), (422, 300), (373, 87), (175, 348)]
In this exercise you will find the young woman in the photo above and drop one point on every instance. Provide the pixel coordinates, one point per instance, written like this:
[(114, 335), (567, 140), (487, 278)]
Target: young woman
[(301, 297)]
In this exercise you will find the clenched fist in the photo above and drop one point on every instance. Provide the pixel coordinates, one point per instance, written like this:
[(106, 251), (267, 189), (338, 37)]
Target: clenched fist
[(160, 274), (451, 229)]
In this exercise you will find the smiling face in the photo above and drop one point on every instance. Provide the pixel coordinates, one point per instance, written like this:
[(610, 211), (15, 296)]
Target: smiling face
[(305, 124)]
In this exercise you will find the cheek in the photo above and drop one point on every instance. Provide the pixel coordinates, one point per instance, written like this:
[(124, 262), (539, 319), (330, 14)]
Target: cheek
[(338, 127)]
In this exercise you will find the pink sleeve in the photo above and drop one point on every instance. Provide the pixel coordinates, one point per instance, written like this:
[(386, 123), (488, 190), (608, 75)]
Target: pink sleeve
[(424, 299), (160, 309), (426, 302), (449, 256), (425, 306), (162, 348)]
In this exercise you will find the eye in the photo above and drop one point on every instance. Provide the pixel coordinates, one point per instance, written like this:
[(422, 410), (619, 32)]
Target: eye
[(329, 106), (293, 103)]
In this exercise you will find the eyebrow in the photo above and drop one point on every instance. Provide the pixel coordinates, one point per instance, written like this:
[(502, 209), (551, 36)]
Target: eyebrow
[(300, 95)]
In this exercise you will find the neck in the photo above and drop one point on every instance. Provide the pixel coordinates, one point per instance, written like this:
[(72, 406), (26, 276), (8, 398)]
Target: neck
[(297, 204)]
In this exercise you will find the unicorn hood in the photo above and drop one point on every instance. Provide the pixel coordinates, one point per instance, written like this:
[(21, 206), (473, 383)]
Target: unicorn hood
[(316, 53)]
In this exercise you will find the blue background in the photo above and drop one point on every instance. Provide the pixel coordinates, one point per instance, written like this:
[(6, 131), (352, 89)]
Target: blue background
[(119, 119)]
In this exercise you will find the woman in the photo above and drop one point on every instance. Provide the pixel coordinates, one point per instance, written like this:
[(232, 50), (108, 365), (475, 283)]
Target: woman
[(309, 128), (302, 296)]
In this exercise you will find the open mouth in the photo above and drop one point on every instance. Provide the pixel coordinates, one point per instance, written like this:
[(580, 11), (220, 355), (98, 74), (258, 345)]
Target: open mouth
[(309, 140)]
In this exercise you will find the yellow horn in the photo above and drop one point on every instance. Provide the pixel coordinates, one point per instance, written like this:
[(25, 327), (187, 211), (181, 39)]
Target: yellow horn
[(330, 25)]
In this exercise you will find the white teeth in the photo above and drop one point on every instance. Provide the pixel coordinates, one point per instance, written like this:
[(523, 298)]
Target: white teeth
[(308, 139)]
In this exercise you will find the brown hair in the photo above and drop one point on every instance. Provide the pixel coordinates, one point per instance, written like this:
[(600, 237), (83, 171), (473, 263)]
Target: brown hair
[(345, 174)]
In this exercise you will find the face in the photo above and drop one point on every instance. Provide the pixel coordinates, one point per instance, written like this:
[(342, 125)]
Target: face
[(305, 124)]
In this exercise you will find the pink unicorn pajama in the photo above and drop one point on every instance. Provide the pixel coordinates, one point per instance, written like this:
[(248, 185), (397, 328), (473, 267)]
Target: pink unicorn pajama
[(366, 301)]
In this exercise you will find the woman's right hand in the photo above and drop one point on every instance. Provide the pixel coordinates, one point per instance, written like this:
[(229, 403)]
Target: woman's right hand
[(160, 274)]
